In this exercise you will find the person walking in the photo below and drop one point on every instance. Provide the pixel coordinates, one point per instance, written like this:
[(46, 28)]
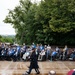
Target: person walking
[(33, 62)]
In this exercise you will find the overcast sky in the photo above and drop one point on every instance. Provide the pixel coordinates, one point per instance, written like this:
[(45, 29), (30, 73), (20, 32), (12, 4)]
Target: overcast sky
[(7, 29)]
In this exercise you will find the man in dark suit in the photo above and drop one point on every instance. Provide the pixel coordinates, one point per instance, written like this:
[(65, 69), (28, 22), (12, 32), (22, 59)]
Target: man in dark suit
[(33, 62)]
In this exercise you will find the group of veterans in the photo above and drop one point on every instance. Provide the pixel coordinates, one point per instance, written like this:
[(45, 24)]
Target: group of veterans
[(44, 52)]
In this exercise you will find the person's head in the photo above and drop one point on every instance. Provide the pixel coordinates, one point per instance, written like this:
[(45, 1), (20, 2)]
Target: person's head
[(71, 72), (33, 49), (33, 43), (23, 44), (52, 72), (65, 46)]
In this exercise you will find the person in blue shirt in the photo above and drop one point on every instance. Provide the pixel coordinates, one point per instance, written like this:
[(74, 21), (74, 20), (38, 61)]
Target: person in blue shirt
[(33, 45), (53, 55), (41, 47), (18, 52)]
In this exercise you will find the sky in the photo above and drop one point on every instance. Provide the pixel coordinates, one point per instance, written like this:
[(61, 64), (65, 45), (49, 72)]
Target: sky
[(7, 29)]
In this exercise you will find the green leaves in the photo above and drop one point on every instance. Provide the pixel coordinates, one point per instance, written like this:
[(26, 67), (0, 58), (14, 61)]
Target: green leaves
[(47, 22)]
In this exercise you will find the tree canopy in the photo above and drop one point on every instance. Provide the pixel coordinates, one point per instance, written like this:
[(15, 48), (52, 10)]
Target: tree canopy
[(49, 22)]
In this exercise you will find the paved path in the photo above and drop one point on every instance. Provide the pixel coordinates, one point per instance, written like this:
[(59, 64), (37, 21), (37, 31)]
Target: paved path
[(18, 68)]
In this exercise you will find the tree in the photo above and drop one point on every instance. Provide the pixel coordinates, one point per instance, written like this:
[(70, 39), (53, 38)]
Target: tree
[(49, 22), (17, 18), (57, 18), (23, 20)]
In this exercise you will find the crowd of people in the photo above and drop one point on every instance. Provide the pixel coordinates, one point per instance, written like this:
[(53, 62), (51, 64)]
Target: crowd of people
[(44, 52)]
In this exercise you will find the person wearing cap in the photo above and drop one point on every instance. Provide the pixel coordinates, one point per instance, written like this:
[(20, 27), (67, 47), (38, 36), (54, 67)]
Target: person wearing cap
[(71, 72), (33, 62), (52, 72)]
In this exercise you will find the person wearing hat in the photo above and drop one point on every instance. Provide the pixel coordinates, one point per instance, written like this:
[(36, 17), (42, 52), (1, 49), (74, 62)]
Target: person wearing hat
[(33, 63), (71, 72), (52, 72)]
